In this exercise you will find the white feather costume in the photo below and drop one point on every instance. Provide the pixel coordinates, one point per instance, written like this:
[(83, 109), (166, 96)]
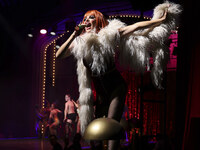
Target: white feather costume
[(97, 49)]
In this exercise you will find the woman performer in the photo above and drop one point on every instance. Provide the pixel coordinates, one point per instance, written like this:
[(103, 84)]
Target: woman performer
[(53, 119), (94, 44)]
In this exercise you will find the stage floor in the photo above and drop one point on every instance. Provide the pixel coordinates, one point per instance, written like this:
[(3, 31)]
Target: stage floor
[(32, 144)]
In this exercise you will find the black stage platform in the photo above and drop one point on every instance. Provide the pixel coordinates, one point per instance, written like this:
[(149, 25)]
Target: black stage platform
[(32, 144)]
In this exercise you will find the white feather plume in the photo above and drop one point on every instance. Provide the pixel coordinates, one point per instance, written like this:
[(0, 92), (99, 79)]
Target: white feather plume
[(136, 48)]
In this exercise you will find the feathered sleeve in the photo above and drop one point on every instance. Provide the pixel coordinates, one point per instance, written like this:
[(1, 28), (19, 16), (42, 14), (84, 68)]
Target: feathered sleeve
[(136, 48)]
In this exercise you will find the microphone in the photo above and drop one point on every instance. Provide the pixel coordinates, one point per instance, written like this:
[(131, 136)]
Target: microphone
[(79, 28), (83, 26)]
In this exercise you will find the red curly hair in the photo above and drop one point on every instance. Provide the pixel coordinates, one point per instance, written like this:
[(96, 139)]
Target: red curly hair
[(101, 21)]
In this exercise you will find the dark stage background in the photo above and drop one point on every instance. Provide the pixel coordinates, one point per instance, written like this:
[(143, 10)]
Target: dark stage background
[(20, 66)]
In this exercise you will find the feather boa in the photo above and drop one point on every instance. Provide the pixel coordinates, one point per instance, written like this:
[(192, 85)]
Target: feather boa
[(135, 53), (97, 49)]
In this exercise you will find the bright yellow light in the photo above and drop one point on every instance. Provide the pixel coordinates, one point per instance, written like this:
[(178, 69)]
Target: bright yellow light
[(96, 127)]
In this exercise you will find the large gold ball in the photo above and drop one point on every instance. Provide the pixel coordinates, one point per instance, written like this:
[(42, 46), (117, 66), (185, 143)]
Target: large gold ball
[(104, 129)]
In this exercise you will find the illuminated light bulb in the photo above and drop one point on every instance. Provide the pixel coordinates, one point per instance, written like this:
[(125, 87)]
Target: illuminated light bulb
[(30, 35), (53, 33), (43, 31), (57, 46)]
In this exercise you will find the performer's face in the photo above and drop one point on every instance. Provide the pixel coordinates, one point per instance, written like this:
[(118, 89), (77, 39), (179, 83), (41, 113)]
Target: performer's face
[(52, 106), (67, 98), (90, 21)]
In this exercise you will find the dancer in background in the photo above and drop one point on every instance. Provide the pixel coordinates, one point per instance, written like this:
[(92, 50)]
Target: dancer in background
[(42, 116), (54, 119), (77, 105), (70, 117), (94, 44)]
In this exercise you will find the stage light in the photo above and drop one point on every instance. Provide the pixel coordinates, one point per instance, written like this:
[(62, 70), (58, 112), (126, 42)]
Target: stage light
[(57, 46), (30, 35), (30, 32), (53, 33), (53, 30), (43, 31)]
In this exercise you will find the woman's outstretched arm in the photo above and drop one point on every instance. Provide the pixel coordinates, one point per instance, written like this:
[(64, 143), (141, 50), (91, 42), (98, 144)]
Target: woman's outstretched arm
[(142, 24)]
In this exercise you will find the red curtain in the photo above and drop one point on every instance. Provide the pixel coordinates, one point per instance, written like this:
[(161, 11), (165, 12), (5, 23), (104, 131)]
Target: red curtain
[(188, 79)]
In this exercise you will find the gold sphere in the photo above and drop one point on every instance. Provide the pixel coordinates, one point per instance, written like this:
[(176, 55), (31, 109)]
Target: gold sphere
[(104, 129)]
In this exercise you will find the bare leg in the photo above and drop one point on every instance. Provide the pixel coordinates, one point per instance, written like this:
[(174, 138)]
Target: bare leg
[(53, 130), (115, 112)]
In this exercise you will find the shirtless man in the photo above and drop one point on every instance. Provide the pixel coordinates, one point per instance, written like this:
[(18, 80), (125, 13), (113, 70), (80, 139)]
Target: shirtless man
[(70, 116)]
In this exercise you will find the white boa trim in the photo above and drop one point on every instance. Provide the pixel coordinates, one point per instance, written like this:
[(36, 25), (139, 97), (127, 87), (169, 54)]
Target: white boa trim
[(97, 49), (85, 97), (136, 48), (100, 47)]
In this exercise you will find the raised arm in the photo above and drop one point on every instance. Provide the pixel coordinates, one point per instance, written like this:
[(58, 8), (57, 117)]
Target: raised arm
[(142, 24), (65, 49), (76, 104), (59, 111)]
